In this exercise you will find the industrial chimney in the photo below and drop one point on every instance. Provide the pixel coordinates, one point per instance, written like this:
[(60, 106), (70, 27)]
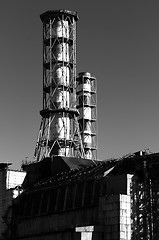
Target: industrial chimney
[(59, 132)]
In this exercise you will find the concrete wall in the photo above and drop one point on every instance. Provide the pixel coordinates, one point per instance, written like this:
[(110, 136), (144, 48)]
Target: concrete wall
[(14, 178), (115, 217), (9, 180), (51, 225), (118, 184), (5, 200), (115, 209), (125, 217), (109, 219)]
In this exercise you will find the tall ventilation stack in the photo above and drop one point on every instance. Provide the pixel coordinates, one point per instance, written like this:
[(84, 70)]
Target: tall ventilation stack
[(59, 132), (86, 104)]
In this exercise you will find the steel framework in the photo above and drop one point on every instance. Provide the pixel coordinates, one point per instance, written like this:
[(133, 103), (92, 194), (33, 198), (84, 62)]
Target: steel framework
[(86, 103), (145, 204), (59, 132)]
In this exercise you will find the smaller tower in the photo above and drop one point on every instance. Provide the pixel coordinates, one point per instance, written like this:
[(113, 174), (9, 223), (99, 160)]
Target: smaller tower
[(86, 104)]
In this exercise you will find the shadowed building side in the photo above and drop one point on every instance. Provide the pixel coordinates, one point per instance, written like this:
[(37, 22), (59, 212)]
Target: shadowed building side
[(10, 188)]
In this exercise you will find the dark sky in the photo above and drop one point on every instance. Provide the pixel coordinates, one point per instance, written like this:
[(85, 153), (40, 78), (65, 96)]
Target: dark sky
[(117, 42)]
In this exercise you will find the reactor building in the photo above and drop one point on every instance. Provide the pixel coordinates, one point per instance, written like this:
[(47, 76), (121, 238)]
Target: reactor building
[(67, 193)]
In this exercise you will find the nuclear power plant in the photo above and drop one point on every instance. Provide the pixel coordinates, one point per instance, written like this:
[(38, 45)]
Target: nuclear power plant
[(65, 192)]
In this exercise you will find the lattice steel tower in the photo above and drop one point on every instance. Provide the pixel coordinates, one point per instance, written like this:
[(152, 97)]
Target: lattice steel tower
[(59, 132), (86, 104)]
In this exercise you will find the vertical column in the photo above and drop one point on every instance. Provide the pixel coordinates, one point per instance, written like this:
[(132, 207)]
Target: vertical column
[(86, 104), (59, 134), (59, 83)]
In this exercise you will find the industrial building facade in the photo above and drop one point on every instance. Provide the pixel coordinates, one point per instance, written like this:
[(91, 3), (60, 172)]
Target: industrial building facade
[(72, 198), (86, 201)]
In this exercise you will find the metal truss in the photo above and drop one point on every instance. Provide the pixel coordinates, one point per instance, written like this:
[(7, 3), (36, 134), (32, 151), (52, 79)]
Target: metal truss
[(145, 203), (86, 103), (59, 132)]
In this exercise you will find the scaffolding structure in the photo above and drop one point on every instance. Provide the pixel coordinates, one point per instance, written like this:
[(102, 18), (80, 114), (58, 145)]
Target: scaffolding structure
[(145, 203), (59, 132)]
